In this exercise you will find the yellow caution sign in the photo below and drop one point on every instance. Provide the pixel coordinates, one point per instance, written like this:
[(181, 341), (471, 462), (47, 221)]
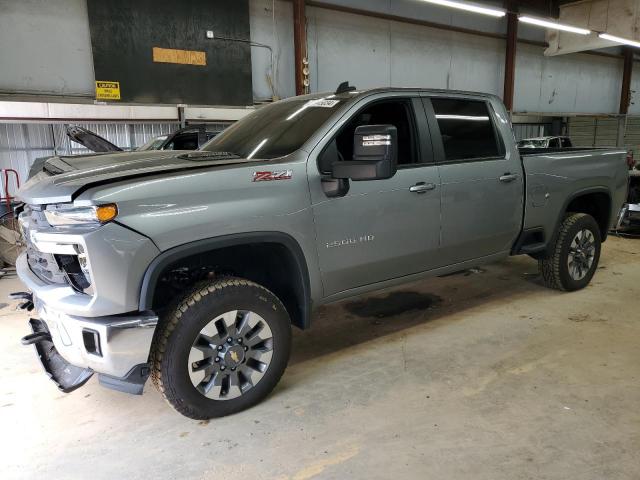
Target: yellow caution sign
[(107, 90)]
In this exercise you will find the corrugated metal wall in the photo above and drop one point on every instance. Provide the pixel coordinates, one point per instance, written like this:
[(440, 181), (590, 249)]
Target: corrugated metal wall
[(530, 130), (593, 131), (603, 132), (22, 143), (632, 136)]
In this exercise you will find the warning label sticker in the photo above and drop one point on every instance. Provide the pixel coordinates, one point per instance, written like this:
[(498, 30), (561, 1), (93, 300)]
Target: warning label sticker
[(107, 90)]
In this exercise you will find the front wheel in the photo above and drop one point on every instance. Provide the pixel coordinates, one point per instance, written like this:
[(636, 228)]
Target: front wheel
[(575, 255), (222, 350)]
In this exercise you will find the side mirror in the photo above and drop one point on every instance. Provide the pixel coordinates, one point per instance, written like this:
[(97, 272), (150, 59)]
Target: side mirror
[(375, 154)]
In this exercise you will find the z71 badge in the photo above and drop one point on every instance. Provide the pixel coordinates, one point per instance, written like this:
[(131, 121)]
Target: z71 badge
[(269, 176)]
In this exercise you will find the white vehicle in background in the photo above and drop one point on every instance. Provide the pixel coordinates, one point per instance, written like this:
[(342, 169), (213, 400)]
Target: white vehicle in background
[(546, 142)]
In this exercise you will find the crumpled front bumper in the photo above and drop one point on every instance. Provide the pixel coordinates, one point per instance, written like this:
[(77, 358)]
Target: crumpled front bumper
[(67, 377), (110, 345), (72, 348)]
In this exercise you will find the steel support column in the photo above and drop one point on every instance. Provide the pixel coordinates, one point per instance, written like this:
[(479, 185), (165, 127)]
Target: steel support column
[(625, 92), (510, 60), (299, 43)]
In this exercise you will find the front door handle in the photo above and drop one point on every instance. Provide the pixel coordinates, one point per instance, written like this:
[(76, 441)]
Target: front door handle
[(508, 177), (422, 187)]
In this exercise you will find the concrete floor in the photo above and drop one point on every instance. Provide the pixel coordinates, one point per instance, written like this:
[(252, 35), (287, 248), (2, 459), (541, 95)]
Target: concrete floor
[(486, 375)]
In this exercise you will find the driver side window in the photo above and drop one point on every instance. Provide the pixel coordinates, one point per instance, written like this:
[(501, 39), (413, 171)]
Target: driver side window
[(398, 113)]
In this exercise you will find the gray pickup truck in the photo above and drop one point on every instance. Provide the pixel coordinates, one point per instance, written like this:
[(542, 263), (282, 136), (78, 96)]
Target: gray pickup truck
[(192, 268)]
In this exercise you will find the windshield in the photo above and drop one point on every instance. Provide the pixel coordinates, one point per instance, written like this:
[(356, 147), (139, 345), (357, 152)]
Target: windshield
[(275, 130), (154, 144)]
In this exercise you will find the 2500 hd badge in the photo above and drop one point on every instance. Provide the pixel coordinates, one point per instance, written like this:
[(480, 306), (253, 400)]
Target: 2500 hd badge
[(351, 241)]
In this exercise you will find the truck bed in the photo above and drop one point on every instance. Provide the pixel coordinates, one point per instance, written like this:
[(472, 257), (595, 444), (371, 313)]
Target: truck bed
[(556, 176)]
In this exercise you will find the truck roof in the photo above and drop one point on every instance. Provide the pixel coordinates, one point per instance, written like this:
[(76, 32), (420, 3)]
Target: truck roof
[(369, 91)]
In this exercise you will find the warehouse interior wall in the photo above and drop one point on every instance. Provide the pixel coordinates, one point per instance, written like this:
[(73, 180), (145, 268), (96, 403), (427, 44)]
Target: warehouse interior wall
[(46, 48), (371, 52), (574, 83), (275, 30), (341, 46)]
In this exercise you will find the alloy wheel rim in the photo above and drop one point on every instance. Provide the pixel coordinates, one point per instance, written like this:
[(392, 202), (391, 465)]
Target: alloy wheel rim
[(230, 355), (582, 252)]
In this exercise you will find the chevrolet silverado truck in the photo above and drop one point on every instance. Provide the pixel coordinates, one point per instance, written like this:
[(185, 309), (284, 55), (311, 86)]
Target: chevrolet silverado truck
[(192, 269)]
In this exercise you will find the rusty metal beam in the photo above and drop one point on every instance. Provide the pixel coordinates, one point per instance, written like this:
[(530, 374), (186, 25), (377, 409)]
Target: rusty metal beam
[(625, 92), (299, 43), (510, 60)]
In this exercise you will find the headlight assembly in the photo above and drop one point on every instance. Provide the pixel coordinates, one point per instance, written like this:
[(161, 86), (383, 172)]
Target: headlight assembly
[(63, 215)]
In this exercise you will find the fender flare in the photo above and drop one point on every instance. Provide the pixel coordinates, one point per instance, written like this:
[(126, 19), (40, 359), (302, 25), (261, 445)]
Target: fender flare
[(166, 258)]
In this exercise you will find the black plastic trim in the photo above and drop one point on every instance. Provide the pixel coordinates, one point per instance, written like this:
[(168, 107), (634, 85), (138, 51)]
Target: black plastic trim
[(133, 382), (527, 244), (155, 269)]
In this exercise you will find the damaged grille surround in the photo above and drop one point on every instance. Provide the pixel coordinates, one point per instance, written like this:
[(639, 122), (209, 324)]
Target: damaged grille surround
[(54, 268)]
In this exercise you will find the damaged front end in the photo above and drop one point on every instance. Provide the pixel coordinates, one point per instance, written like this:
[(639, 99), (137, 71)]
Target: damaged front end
[(67, 377)]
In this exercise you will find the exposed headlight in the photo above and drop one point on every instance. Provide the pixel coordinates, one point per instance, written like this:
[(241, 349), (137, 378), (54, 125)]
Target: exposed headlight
[(69, 216)]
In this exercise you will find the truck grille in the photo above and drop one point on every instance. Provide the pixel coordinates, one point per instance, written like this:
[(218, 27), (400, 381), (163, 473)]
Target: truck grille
[(43, 264)]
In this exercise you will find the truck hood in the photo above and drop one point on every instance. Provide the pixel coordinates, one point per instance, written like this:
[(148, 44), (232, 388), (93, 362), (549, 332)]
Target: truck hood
[(63, 178), (92, 141)]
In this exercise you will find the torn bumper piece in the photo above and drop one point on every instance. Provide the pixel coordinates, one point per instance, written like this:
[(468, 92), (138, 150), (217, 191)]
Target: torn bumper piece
[(67, 377)]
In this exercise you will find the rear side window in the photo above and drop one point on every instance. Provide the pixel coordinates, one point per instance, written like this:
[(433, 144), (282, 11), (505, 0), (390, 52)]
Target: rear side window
[(466, 129)]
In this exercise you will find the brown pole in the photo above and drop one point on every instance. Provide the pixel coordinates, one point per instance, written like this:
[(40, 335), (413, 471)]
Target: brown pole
[(299, 43), (510, 59), (625, 93)]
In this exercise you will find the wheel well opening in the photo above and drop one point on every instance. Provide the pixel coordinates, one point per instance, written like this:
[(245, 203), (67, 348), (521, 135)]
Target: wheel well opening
[(596, 204), (271, 265)]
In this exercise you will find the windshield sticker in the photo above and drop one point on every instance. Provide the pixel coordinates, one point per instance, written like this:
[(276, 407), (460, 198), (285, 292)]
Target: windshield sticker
[(321, 102)]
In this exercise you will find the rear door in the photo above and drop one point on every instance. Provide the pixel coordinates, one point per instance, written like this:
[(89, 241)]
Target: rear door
[(482, 184), (378, 229)]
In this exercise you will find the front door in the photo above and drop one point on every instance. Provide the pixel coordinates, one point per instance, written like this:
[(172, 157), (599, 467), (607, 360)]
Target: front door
[(379, 229), (482, 184)]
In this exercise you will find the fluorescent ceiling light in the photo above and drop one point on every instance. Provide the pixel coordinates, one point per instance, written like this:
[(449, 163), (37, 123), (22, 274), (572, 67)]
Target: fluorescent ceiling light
[(606, 36), (469, 7), (554, 25)]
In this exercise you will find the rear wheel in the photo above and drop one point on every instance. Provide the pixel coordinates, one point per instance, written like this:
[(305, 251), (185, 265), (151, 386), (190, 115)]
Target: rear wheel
[(222, 350), (575, 254)]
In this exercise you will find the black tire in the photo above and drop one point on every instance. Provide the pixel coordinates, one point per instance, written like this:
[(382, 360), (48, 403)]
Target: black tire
[(176, 333), (555, 268)]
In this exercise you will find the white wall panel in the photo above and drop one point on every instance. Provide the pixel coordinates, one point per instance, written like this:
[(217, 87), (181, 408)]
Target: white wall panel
[(347, 47), (372, 52), (261, 14), (577, 83), (45, 46)]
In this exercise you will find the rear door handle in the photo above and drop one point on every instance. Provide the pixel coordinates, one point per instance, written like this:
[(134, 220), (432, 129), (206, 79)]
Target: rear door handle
[(422, 187), (508, 177)]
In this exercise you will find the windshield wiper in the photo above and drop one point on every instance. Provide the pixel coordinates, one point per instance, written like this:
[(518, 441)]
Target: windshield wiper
[(202, 155)]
